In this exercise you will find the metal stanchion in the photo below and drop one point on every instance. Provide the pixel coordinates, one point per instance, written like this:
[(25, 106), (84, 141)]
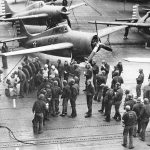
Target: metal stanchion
[(124, 5), (14, 103)]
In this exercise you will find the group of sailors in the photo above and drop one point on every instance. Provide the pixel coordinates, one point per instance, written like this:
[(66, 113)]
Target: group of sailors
[(53, 82), (51, 89)]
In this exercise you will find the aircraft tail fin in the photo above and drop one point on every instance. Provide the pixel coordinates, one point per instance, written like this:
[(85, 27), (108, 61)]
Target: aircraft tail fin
[(6, 10), (135, 14), (21, 30)]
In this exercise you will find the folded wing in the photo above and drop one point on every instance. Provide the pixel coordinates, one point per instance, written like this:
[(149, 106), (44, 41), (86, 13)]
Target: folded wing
[(123, 23), (53, 47), (109, 30), (25, 17), (137, 59), (13, 39)]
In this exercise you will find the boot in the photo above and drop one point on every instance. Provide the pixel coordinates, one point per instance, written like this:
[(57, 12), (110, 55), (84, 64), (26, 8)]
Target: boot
[(88, 115)]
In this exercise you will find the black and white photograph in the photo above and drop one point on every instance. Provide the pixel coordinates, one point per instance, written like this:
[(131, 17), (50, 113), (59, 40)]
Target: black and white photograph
[(74, 74)]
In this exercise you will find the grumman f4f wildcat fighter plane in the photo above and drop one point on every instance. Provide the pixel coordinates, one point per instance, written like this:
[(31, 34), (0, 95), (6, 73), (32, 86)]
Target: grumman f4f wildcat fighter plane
[(142, 23), (61, 41), (38, 13)]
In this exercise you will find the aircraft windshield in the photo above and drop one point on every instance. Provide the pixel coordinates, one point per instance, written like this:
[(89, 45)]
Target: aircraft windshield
[(60, 30), (36, 5)]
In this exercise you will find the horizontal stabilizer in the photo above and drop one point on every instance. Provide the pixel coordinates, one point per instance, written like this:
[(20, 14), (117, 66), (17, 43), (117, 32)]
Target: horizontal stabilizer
[(13, 39), (1, 15), (52, 47), (147, 9), (25, 17), (137, 59)]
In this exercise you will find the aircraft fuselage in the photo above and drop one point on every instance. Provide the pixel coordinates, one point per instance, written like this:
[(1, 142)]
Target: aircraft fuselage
[(82, 41), (54, 14)]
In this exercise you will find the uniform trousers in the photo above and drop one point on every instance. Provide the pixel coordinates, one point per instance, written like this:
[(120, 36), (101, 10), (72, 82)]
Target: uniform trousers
[(117, 112), (38, 122), (73, 106), (55, 106), (138, 90), (65, 105), (143, 129), (108, 107), (4, 61), (89, 104), (128, 130)]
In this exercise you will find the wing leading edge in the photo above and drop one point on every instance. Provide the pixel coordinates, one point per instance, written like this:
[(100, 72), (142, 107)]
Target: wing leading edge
[(53, 47), (122, 23), (109, 30), (13, 39), (25, 17), (137, 59)]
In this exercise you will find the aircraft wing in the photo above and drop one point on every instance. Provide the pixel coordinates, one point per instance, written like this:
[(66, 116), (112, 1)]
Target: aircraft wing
[(13, 39), (75, 6), (137, 59), (52, 47), (109, 30), (147, 9), (122, 23), (4, 14), (25, 17)]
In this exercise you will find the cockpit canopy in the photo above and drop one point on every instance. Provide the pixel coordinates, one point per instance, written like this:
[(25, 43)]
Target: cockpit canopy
[(61, 29), (39, 4)]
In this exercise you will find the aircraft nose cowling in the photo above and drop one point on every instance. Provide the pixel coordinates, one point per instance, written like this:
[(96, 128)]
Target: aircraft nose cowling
[(64, 14), (64, 11)]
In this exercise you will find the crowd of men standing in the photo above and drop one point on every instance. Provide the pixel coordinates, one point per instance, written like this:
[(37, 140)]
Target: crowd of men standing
[(53, 82), (51, 88)]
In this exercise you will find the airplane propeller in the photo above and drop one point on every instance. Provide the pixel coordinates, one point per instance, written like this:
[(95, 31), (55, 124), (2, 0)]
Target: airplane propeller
[(65, 14), (98, 45), (68, 20)]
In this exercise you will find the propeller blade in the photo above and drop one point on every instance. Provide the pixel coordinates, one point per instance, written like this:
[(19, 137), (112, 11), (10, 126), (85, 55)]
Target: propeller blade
[(68, 21), (97, 48), (106, 48)]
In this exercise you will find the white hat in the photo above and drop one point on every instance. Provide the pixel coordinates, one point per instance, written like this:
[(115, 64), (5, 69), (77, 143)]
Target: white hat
[(127, 107), (53, 67), (46, 65)]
